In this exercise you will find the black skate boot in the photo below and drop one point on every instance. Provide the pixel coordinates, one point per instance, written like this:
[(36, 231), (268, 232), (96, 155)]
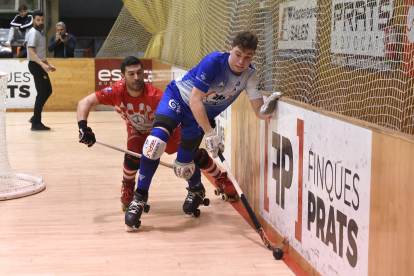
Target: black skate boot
[(195, 197), (132, 216)]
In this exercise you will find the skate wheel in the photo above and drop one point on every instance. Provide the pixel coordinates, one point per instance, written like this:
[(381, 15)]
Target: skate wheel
[(146, 208), (138, 224), (225, 198), (217, 192), (197, 213), (206, 202), (123, 207), (129, 228)]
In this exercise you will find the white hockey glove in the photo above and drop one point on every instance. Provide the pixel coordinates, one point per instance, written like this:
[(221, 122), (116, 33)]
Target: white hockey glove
[(270, 104), (214, 143)]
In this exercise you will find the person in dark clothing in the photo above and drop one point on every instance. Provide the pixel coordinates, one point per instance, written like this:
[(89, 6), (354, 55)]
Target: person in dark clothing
[(62, 44), (39, 67), (21, 24)]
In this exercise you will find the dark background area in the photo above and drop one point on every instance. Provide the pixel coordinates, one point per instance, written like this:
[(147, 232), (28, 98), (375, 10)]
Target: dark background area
[(91, 18)]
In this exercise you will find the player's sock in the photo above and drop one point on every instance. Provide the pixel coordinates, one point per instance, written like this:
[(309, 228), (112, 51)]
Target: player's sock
[(142, 192), (129, 175), (131, 166), (207, 164), (148, 167), (185, 157), (146, 172)]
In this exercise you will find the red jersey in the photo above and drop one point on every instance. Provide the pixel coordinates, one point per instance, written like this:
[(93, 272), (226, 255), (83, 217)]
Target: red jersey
[(138, 112)]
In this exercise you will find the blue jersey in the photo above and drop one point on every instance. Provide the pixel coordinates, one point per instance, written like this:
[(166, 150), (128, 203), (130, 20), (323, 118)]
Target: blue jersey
[(214, 77)]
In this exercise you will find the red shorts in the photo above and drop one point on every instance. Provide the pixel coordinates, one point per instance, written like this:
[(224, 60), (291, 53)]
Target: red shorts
[(136, 140)]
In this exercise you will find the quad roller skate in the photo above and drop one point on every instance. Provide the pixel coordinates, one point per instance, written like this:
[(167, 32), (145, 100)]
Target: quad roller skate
[(225, 187), (195, 198), (132, 216), (127, 194)]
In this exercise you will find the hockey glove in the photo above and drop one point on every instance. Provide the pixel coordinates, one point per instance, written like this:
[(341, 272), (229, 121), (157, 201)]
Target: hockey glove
[(214, 143), (269, 105), (86, 135)]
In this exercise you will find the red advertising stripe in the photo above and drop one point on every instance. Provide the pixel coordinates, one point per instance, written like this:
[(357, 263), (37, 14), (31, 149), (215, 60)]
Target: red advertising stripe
[(298, 224)]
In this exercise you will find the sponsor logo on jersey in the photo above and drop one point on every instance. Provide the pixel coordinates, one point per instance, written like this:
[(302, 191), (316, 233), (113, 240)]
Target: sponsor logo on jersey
[(238, 83), (138, 119), (222, 84), (203, 76), (108, 89), (259, 86), (174, 105)]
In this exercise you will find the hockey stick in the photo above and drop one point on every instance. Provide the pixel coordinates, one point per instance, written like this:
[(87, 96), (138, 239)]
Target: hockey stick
[(267, 243), (130, 152)]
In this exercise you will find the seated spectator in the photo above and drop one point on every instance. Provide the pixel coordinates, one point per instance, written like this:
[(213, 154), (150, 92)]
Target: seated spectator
[(62, 44), (5, 52), (20, 26)]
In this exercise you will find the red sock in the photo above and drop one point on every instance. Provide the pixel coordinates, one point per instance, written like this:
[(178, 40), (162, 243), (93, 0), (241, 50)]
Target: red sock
[(129, 175), (207, 164)]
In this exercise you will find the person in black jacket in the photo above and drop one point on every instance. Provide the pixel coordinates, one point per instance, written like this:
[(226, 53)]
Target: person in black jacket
[(62, 44), (21, 24)]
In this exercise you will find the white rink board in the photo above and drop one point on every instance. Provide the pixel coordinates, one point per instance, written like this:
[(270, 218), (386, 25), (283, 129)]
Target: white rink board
[(335, 226), (21, 91), (223, 129)]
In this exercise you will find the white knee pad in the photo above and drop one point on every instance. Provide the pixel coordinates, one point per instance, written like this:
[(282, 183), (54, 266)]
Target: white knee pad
[(154, 147), (184, 170)]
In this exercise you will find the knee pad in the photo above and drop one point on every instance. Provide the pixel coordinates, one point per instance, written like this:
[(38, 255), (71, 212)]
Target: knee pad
[(132, 162), (201, 158), (153, 148), (184, 171)]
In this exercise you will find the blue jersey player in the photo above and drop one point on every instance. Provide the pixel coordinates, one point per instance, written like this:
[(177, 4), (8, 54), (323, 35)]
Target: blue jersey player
[(193, 100)]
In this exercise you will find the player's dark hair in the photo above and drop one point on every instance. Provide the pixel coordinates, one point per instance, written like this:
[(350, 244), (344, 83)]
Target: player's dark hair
[(128, 61), (37, 13), (245, 40), (22, 8)]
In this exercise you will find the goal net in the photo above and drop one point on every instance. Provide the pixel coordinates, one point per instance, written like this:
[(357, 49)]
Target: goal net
[(13, 184), (353, 57)]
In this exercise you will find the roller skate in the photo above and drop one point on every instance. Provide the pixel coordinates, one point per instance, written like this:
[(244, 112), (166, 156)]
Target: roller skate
[(127, 194), (226, 188), (195, 198), (132, 216)]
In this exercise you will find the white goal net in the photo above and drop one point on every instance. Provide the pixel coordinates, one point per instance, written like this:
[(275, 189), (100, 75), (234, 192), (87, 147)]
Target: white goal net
[(13, 184), (353, 57)]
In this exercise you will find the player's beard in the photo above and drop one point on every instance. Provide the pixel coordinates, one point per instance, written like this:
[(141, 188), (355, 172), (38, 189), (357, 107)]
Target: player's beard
[(135, 86), (38, 27)]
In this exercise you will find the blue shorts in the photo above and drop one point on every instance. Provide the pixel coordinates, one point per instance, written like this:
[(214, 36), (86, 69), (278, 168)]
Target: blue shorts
[(173, 106)]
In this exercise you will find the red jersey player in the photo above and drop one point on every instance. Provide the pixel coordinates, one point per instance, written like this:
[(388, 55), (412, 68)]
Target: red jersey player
[(137, 102)]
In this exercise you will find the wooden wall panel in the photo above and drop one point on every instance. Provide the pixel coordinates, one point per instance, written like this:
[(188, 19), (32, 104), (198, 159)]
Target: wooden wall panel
[(245, 141), (73, 80), (161, 73), (391, 246)]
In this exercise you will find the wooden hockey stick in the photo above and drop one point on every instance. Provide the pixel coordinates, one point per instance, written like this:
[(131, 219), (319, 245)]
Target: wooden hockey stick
[(130, 152), (265, 239)]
